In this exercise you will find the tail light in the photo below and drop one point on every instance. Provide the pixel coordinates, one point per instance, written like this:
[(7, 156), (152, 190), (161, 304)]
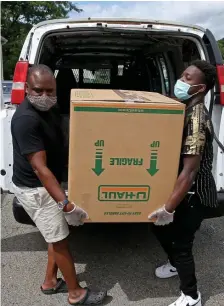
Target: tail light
[(220, 71), (19, 82)]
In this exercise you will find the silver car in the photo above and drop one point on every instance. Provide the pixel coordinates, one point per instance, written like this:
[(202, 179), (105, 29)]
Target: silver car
[(7, 88)]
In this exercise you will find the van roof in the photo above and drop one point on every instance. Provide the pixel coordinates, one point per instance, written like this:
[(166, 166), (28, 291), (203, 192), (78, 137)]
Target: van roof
[(117, 20)]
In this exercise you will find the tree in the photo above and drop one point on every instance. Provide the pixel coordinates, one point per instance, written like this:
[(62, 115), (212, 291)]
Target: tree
[(221, 46), (18, 17)]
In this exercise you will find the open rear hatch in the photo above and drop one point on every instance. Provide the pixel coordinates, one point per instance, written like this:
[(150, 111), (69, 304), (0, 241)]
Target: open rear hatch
[(115, 58)]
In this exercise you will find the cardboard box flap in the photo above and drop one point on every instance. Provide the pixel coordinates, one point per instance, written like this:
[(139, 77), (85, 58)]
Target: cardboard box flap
[(102, 95)]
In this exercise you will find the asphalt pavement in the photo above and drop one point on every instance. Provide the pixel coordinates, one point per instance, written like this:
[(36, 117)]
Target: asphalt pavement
[(120, 258)]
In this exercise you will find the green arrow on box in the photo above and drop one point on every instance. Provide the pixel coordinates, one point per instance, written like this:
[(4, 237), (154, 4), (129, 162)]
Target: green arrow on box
[(98, 170), (152, 170)]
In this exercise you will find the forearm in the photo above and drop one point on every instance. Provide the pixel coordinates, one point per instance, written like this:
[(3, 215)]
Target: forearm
[(50, 182), (182, 186)]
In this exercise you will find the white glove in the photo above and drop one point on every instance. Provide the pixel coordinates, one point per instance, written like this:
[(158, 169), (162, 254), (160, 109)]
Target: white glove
[(162, 216), (76, 216)]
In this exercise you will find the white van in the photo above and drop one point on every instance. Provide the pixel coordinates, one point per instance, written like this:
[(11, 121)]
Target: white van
[(118, 54)]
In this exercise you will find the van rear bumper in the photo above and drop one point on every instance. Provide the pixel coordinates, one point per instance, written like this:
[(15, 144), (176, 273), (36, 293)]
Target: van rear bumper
[(212, 213)]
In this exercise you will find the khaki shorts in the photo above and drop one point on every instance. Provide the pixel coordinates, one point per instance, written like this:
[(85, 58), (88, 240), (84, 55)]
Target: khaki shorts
[(43, 210)]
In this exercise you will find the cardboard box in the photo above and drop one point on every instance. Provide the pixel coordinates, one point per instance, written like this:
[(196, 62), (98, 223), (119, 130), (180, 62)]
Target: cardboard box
[(124, 152)]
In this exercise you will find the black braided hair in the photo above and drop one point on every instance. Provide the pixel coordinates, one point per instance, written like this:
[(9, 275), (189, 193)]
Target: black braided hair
[(208, 71)]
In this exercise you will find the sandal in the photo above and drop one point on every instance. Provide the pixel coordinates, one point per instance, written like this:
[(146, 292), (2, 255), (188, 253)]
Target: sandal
[(91, 298), (61, 287)]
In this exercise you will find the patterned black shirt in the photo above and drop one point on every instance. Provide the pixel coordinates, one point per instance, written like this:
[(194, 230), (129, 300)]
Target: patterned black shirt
[(198, 140)]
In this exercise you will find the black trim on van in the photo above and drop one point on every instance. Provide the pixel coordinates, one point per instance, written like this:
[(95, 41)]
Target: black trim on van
[(214, 53), (215, 58)]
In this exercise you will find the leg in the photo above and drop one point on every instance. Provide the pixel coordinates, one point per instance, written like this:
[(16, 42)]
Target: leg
[(184, 263), (164, 236), (188, 219), (52, 270), (52, 224), (65, 263), (54, 228)]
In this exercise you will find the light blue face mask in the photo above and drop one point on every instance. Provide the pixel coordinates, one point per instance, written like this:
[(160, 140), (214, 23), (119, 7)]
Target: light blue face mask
[(181, 90)]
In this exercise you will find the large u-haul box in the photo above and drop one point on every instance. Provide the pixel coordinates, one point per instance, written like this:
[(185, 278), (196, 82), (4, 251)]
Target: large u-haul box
[(124, 152)]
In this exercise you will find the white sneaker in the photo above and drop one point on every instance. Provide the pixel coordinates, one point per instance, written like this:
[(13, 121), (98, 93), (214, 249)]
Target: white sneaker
[(166, 271), (185, 300)]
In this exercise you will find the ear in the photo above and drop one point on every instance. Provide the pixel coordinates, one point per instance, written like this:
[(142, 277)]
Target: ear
[(203, 88)]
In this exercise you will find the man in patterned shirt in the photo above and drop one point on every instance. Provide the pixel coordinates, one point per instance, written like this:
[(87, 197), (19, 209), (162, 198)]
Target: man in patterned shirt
[(194, 193)]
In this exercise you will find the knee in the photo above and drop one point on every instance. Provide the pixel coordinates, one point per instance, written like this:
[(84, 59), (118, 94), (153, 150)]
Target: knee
[(182, 249), (60, 244)]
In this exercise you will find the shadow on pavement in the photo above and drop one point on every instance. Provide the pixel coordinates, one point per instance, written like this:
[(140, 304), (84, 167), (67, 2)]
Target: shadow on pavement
[(123, 254)]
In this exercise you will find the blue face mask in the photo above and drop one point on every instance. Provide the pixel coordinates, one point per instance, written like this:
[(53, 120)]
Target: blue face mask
[(181, 90)]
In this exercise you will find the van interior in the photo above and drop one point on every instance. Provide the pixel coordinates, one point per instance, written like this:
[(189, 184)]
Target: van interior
[(114, 59)]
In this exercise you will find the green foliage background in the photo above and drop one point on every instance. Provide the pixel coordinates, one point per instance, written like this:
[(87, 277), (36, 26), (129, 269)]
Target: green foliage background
[(17, 18), (221, 46)]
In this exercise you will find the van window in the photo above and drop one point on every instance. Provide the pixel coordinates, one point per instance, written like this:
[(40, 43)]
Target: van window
[(99, 76), (76, 74), (154, 77), (190, 52), (165, 74), (120, 70)]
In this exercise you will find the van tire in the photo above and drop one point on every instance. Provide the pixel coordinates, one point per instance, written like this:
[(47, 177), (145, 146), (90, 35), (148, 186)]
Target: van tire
[(218, 211), (20, 214)]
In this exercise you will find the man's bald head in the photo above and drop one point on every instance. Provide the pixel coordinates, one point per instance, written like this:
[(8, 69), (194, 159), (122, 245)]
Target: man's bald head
[(39, 70), (41, 81)]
